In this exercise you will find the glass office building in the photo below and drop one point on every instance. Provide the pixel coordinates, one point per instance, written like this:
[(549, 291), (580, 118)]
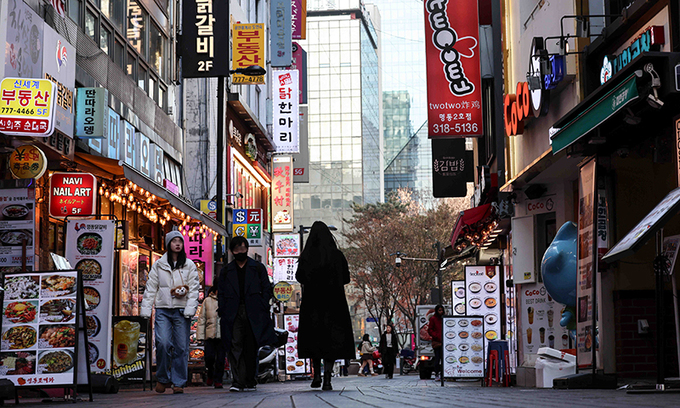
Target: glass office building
[(345, 142), (404, 83)]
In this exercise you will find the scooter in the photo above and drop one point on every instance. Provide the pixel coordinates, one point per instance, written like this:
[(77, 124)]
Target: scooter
[(409, 359), (267, 364)]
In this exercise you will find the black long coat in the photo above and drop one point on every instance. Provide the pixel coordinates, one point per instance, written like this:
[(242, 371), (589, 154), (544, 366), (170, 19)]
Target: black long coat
[(258, 291), (325, 329), (388, 353)]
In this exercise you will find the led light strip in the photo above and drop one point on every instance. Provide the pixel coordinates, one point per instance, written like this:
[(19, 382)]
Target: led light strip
[(250, 168)]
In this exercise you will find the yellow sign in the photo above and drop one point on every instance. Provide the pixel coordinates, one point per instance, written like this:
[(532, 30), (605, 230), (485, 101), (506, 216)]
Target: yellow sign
[(27, 161), (283, 291), (248, 50), (27, 107)]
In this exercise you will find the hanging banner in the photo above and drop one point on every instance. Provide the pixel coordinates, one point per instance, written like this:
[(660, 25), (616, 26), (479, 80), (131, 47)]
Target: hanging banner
[(200, 250), (284, 269), (454, 91), (17, 223), (27, 107), (299, 19), (72, 194), (452, 168), (286, 87), (585, 328), (204, 39), (282, 194), (248, 50), (248, 224), (90, 248), (92, 113), (281, 28)]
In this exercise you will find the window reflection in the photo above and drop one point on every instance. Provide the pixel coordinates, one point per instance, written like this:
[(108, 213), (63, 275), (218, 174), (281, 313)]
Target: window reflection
[(91, 25), (104, 39), (156, 49)]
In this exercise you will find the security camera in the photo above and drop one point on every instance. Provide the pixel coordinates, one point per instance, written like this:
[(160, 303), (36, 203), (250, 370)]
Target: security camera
[(397, 261)]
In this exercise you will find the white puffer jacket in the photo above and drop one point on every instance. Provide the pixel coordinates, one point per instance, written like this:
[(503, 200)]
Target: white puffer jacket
[(162, 279)]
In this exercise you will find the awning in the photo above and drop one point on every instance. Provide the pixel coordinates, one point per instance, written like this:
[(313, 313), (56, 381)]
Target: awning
[(605, 107), (247, 115), (470, 218), (116, 169)]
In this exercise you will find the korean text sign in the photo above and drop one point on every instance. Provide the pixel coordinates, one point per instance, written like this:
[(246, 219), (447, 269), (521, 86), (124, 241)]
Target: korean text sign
[(286, 111), (204, 40), (451, 168), (248, 51), (201, 250), (92, 112), (454, 94), (282, 194), (27, 107), (299, 19), (248, 224), (72, 194), (285, 269), (281, 33)]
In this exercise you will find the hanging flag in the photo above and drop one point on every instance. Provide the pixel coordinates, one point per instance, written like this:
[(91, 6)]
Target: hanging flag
[(59, 6)]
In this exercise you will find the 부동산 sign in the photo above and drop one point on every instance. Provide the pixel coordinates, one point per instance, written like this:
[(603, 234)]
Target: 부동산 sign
[(27, 107), (248, 50)]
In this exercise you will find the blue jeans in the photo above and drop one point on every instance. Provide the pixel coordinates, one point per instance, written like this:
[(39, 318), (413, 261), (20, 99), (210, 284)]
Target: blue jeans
[(172, 346)]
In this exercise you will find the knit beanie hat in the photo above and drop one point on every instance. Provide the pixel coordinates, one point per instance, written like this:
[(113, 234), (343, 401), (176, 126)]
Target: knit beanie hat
[(170, 235)]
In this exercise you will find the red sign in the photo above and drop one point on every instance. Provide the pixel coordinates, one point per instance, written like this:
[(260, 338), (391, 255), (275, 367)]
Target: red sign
[(454, 83), (72, 194), (517, 108)]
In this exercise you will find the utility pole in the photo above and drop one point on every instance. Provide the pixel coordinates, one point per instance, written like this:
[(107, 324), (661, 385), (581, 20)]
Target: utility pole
[(220, 170)]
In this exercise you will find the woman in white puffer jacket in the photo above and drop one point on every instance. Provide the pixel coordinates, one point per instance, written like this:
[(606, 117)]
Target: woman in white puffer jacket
[(172, 287)]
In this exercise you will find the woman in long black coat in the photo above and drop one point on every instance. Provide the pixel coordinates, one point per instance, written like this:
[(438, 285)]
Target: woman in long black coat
[(325, 330)]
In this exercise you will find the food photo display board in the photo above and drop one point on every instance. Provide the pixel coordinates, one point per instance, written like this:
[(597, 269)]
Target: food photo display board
[(483, 297), (463, 346), (39, 345), (458, 298), (294, 364), (17, 223)]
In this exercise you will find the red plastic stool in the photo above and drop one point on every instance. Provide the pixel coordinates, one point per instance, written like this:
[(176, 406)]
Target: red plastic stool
[(492, 368)]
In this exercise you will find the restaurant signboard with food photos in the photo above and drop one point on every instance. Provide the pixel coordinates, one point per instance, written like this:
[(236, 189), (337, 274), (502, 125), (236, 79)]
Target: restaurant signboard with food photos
[(90, 249), (17, 225), (483, 298), (73, 194), (39, 314)]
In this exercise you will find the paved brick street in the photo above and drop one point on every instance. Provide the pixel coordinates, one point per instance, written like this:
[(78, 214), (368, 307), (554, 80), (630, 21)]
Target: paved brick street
[(406, 391)]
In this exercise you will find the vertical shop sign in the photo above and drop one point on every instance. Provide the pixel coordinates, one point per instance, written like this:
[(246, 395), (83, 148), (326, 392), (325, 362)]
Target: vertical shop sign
[(284, 269), (301, 167), (158, 156), (248, 50), (73, 194), (299, 19), (452, 168), (300, 64), (144, 155), (282, 194), (27, 107), (59, 66), (114, 135), (23, 41), (286, 111), (587, 268), (204, 39), (281, 33), (130, 145), (248, 224), (17, 223), (454, 91), (90, 248), (200, 250), (91, 113)]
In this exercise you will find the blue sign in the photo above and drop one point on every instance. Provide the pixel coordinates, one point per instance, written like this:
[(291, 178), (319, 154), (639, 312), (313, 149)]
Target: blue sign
[(281, 30), (371, 319)]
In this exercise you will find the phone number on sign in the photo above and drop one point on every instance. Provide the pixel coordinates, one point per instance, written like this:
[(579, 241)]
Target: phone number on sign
[(456, 128)]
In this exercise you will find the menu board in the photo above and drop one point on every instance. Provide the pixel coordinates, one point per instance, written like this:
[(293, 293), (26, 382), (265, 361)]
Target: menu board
[(38, 345), (483, 297), (541, 320), (17, 222), (129, 348), (458, 293), (463, 346), (294, 365), (89, 247)]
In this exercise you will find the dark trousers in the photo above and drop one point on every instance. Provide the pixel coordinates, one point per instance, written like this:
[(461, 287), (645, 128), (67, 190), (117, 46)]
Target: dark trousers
[(243, 353), (437, 358), (214, 359), (388, 360)]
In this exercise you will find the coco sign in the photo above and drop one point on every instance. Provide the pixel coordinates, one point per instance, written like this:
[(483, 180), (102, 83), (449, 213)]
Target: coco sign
[(530, 97), (73, 194)]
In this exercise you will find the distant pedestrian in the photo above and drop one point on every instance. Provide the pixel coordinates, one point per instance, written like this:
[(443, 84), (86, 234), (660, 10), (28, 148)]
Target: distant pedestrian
[(243, 295), (208, 330), (388, 350), (325, 326), (435, 331), (172, 288), (366, 350)]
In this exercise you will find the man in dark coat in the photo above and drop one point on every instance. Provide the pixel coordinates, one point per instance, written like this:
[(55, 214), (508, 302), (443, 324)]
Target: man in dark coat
[(243, 296)]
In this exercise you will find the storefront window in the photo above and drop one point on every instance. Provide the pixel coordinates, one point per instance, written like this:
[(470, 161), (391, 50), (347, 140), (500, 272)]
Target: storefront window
[(105, 39), (91, 25), (136, 27), (156, 49)]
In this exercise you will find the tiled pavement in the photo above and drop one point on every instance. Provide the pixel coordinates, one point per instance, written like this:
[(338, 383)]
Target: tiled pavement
[(407, 391)]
